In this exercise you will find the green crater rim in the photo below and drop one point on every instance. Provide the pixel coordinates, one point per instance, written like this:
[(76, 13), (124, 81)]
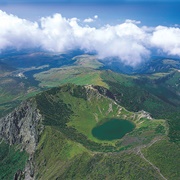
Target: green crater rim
[(113, 129)]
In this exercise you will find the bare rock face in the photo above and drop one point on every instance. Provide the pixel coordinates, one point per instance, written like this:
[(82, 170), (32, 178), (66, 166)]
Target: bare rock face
[(18, 175), (27, 173), (29, 169), (23, 126)]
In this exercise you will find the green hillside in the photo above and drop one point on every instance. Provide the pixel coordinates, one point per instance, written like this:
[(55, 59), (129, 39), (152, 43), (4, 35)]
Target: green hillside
[(12, 91), (157, 94), (83, 71), (58, 157), (76, 110), (165, 155), (67, 149), (11, 161)]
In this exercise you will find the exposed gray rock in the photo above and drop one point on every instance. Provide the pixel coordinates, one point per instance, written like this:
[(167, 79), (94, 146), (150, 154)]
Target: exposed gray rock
[(28, 173), (145, 114), (23, 126), (29, 169), (19, 175)]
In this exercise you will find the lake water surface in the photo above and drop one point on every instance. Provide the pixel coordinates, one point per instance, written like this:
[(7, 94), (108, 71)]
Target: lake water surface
[(113, 129)]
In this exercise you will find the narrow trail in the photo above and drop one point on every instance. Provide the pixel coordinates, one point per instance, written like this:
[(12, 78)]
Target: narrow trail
[(142, 156)]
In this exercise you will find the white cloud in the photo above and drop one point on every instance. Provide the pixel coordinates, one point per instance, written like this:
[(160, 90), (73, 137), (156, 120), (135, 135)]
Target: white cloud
[(127, 41), (167, 39), (124, 41), (18, 32), (57, 33), (132, 21), (88, 20)]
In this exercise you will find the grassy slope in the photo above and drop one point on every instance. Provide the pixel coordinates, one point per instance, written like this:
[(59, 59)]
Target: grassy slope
[(137, 93), (11, 160), (130, 92), (166, 156), (57, 157), (12, 91), (145, 95), (69, 104), (76, 75), (82, 72), (53, 152), (76, 110), (158, 96)]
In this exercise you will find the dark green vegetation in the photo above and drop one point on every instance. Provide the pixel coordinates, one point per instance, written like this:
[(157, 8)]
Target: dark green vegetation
[(166, 156), (11, 160), (69, 160), (112, 129), (157, 94)]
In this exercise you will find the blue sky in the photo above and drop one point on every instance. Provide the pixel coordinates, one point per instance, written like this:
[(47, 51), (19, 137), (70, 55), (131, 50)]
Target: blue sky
[(130, 30), (82, 1), (149, 13)]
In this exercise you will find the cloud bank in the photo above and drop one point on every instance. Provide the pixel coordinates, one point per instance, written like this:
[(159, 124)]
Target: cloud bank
[(127, 41)]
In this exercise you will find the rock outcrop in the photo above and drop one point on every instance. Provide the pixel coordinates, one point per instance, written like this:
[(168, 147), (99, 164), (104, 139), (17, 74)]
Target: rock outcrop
[(23, 126)]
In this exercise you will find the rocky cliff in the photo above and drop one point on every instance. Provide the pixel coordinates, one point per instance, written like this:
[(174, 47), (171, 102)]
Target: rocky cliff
[(22, 126)]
